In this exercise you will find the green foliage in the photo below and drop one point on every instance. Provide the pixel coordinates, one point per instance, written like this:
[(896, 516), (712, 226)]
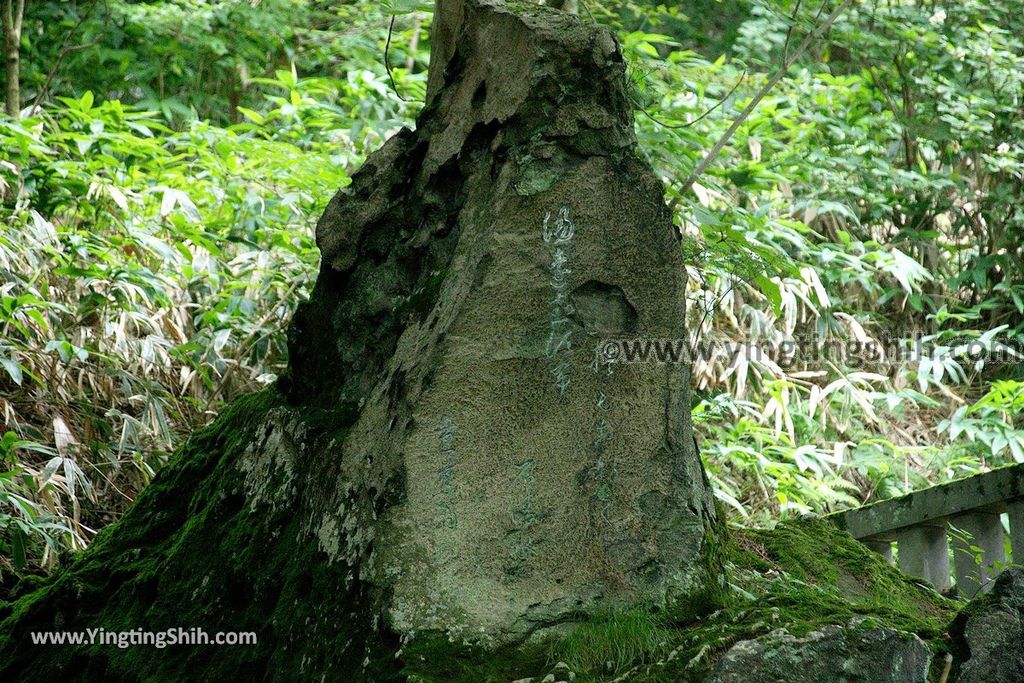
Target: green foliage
[(148, 274), (871, 199), (151, 253), (206, 59), (992, 421)]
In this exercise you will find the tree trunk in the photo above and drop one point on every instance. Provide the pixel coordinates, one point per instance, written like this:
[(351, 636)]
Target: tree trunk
[(446, 459), (13, 15)]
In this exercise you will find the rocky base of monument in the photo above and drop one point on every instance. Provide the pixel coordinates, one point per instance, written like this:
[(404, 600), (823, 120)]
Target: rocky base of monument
[(807, 604)]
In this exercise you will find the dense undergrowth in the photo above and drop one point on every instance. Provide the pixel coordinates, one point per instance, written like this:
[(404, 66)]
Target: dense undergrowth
[(158, 207)]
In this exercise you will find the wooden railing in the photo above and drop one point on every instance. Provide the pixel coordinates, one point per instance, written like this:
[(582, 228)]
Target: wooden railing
[(965, 516)]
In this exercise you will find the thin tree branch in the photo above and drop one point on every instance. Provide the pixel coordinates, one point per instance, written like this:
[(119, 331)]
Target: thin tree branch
[(65, 50), (410, 60), (713, 153), (789, 33), (702, 116), (13, 16), (387, 60)]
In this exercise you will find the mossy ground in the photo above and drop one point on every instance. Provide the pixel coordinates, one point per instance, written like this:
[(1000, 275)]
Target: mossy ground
[(799, 576)]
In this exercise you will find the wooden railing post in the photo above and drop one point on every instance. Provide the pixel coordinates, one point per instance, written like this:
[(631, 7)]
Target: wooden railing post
[(924, 553), (985, 531)]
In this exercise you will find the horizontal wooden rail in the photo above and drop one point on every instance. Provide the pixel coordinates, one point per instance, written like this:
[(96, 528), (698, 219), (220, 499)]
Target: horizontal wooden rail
[(963, 515)]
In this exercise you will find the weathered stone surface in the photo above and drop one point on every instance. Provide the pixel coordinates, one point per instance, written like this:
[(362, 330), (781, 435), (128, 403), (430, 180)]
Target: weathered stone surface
[(468, 275), (855, 653), (990, 632)]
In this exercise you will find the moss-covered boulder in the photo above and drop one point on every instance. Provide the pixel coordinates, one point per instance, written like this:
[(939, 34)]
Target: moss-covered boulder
[(802, 590), (857, 652), (497, 477), (989, 633), (798, 579)]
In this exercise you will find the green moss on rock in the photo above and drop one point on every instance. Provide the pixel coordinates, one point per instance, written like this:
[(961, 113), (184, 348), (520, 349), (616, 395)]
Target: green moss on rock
[(193, 553), (799, 576)]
